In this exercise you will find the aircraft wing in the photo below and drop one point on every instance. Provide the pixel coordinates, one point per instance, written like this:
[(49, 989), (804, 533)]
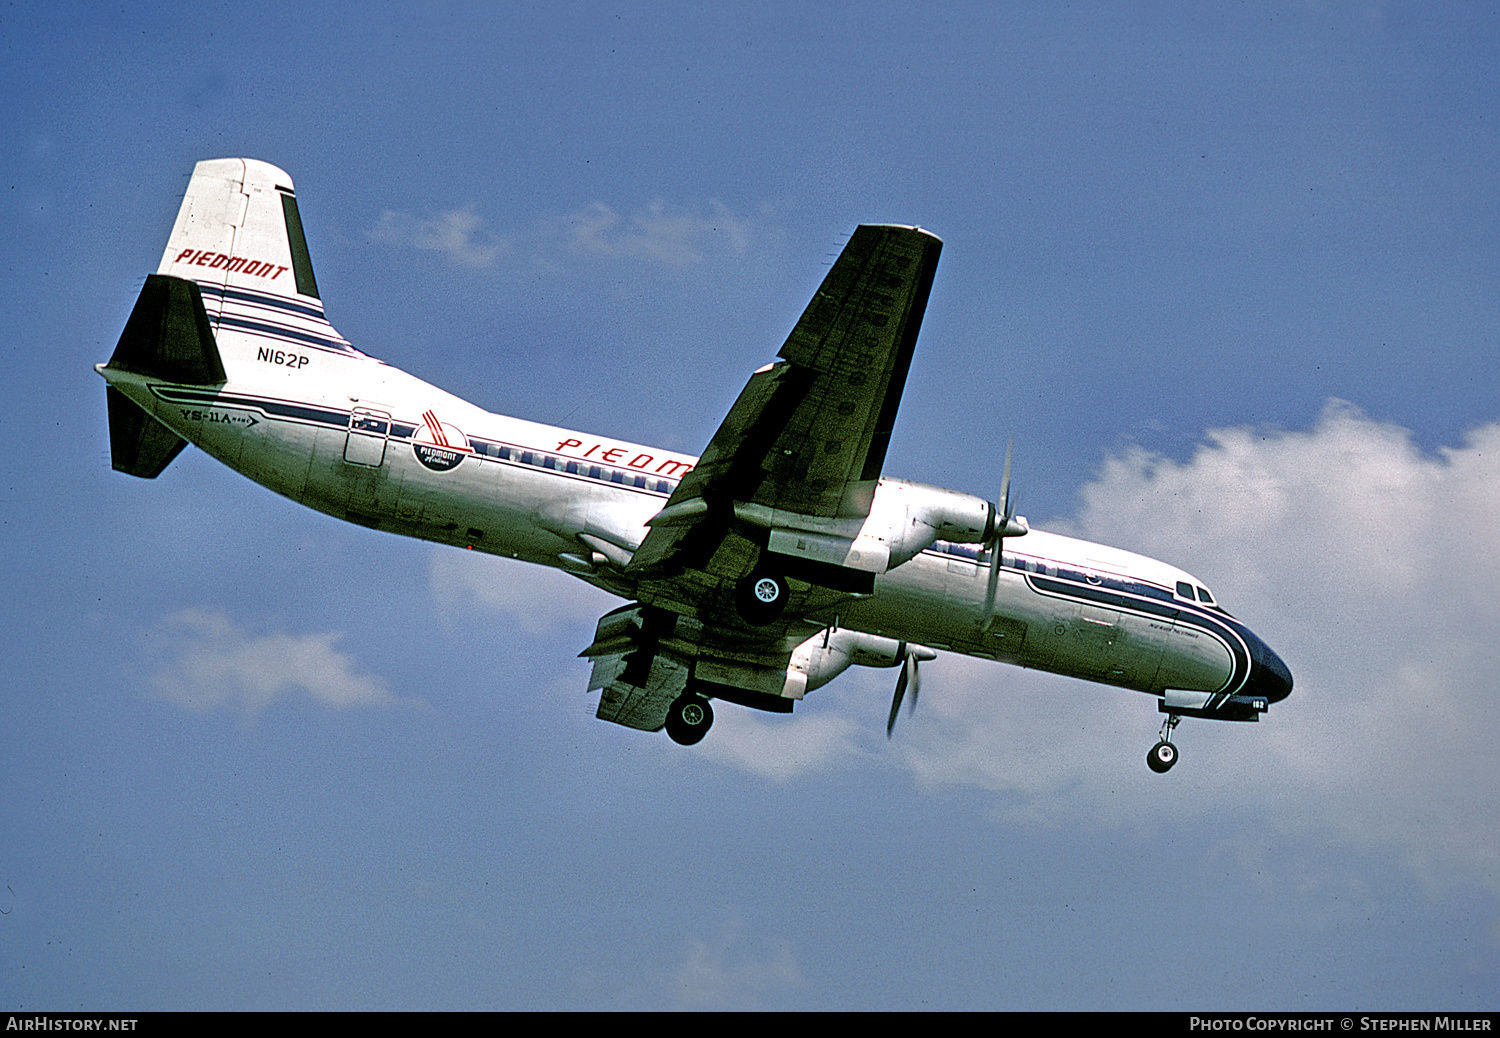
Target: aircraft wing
[(803, 446), (776, 502)]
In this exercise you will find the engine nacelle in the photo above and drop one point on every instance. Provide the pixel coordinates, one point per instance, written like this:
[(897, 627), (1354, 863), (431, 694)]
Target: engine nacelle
[(828, 654), (913, 515), (904, 519)]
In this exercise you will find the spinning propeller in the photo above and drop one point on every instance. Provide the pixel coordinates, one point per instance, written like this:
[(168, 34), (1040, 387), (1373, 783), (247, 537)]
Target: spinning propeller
[(1008, 524), (909, 674)]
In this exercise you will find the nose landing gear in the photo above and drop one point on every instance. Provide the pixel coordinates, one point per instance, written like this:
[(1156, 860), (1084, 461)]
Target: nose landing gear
[(1164, 754)]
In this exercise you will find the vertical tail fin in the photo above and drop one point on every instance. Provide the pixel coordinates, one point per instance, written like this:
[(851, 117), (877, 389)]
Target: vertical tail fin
[(239, 228), (235, 277), (239, 236)]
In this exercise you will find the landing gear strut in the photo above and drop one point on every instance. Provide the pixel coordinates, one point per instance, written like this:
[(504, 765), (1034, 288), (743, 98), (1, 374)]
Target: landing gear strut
[(689, 719), (1164, 754)]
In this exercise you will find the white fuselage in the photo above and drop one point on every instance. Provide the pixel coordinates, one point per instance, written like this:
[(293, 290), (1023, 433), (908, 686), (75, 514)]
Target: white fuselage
[(360, 440)]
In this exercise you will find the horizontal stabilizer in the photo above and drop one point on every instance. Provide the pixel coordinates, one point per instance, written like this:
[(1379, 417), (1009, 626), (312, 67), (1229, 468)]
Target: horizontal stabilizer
[(138, 444), (168, 335)]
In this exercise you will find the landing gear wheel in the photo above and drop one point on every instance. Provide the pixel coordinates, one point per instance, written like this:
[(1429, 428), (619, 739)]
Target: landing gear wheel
[(762, 597), (1162, 756), (689, 719)]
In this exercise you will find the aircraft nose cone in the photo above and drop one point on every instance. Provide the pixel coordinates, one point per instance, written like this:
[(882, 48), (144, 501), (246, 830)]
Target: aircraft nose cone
[(1269, 676)]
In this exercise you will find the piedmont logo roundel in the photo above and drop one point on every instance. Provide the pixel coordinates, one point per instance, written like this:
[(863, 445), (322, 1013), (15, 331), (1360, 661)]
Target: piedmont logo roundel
[(438, 446)]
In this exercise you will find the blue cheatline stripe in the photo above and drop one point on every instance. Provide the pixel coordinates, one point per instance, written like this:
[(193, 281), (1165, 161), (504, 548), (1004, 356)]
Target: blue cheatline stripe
[(1239, 649), (333, 340), (489, 450), (271, 407), (1133, 597), (263, 299), (285, 334)]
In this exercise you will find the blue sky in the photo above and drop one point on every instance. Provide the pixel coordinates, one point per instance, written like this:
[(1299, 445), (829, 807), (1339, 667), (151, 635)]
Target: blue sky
[(1227, 272)]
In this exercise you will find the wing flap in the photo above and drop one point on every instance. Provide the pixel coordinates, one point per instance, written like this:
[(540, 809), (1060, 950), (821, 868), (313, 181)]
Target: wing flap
[(643, 706), (645, 657)]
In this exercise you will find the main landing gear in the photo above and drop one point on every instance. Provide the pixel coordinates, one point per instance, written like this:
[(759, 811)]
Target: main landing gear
[(1164, 754), (689, 719), (761, 597)]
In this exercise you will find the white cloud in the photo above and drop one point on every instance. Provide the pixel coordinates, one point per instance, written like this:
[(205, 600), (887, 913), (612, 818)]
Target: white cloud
[(781, 748), (1368, 565), (668, 235), (539, 600), (660, 235), (719, 974), (212, 663), (454, 233)]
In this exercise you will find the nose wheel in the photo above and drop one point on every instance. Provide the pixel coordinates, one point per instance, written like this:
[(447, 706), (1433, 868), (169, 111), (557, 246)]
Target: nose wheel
[(1164, 754)]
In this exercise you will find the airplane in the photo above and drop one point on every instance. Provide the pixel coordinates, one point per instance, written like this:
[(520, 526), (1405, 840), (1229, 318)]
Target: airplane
[(753, 574)]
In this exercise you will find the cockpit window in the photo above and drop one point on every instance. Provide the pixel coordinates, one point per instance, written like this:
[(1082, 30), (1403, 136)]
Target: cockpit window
[(1195, 593)]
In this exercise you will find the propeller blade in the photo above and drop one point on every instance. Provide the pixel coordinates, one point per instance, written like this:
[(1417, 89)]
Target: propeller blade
[(890, 723), (994, 579), (911, 674), (914, 662), (1005, 506), (1003, 515)]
